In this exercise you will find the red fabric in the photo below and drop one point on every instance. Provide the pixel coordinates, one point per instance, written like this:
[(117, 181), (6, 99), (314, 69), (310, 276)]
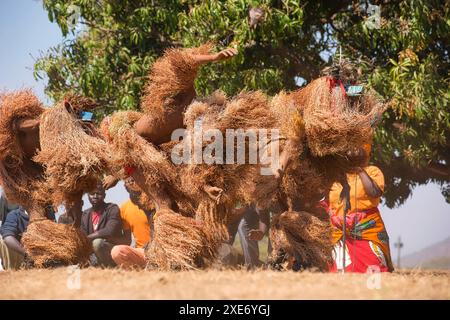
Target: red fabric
[(129, 170), (95, 216), (335, 82), (362, 258), (352, 218), (324, 204)]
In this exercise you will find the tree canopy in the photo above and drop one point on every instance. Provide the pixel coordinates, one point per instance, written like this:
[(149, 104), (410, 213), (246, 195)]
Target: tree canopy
[(402, 48)]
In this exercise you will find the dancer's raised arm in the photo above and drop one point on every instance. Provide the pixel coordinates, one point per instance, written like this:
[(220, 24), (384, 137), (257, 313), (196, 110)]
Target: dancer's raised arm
[(170, 90), (222, 55)]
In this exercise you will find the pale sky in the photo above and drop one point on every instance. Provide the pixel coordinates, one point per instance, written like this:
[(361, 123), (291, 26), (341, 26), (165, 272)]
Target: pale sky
[(25, 31)]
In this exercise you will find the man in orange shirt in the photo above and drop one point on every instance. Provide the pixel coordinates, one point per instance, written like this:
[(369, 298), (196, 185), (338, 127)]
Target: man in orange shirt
[(137, 221)]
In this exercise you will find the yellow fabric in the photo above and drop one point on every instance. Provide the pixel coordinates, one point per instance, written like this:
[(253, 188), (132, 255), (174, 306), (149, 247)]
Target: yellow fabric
[(135, 219), (371, 227), (358, 198)]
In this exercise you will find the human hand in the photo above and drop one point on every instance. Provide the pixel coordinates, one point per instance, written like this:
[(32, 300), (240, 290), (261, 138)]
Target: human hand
[(225, 54)]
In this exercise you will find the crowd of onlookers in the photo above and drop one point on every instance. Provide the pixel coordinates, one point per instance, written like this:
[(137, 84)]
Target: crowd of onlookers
[(119, 235)]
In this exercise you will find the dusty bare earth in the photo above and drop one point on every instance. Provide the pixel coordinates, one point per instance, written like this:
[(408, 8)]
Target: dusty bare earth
[(62, 283)]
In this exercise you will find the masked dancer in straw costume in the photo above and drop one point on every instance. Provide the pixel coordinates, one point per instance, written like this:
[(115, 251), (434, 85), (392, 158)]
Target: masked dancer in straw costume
[(169, 91), (20, 114), (304, 117), (141, 144), (321, 124), (50, 158)]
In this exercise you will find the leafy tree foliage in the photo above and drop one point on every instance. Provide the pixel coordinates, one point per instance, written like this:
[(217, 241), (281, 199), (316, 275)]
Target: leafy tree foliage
[(402, 48)]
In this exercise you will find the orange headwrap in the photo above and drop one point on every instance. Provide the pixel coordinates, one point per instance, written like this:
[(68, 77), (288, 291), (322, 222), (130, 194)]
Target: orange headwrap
[(367, 148)]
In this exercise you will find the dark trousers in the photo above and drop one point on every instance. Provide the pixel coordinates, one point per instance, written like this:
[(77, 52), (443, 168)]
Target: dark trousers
[(250, 248), (102, 251)]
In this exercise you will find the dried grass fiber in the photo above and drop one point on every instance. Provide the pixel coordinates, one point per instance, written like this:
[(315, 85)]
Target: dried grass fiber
[(302, 235), (74, 160), (180, 243), (47, 243)]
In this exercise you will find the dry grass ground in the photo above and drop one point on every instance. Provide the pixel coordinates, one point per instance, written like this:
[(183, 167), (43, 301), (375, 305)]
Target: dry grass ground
[(215, 284)]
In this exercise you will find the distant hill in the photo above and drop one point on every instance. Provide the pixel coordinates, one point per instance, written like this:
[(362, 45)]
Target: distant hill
[(436, 256)]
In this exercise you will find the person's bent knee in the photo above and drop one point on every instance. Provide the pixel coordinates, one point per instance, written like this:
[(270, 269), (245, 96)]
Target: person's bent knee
[(128, 257), (119, 253)]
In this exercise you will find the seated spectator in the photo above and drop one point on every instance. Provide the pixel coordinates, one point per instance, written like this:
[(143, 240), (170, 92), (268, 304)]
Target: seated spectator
[(12, 253), (65, 218), (102, 224), (138, 221), (5, 207)]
